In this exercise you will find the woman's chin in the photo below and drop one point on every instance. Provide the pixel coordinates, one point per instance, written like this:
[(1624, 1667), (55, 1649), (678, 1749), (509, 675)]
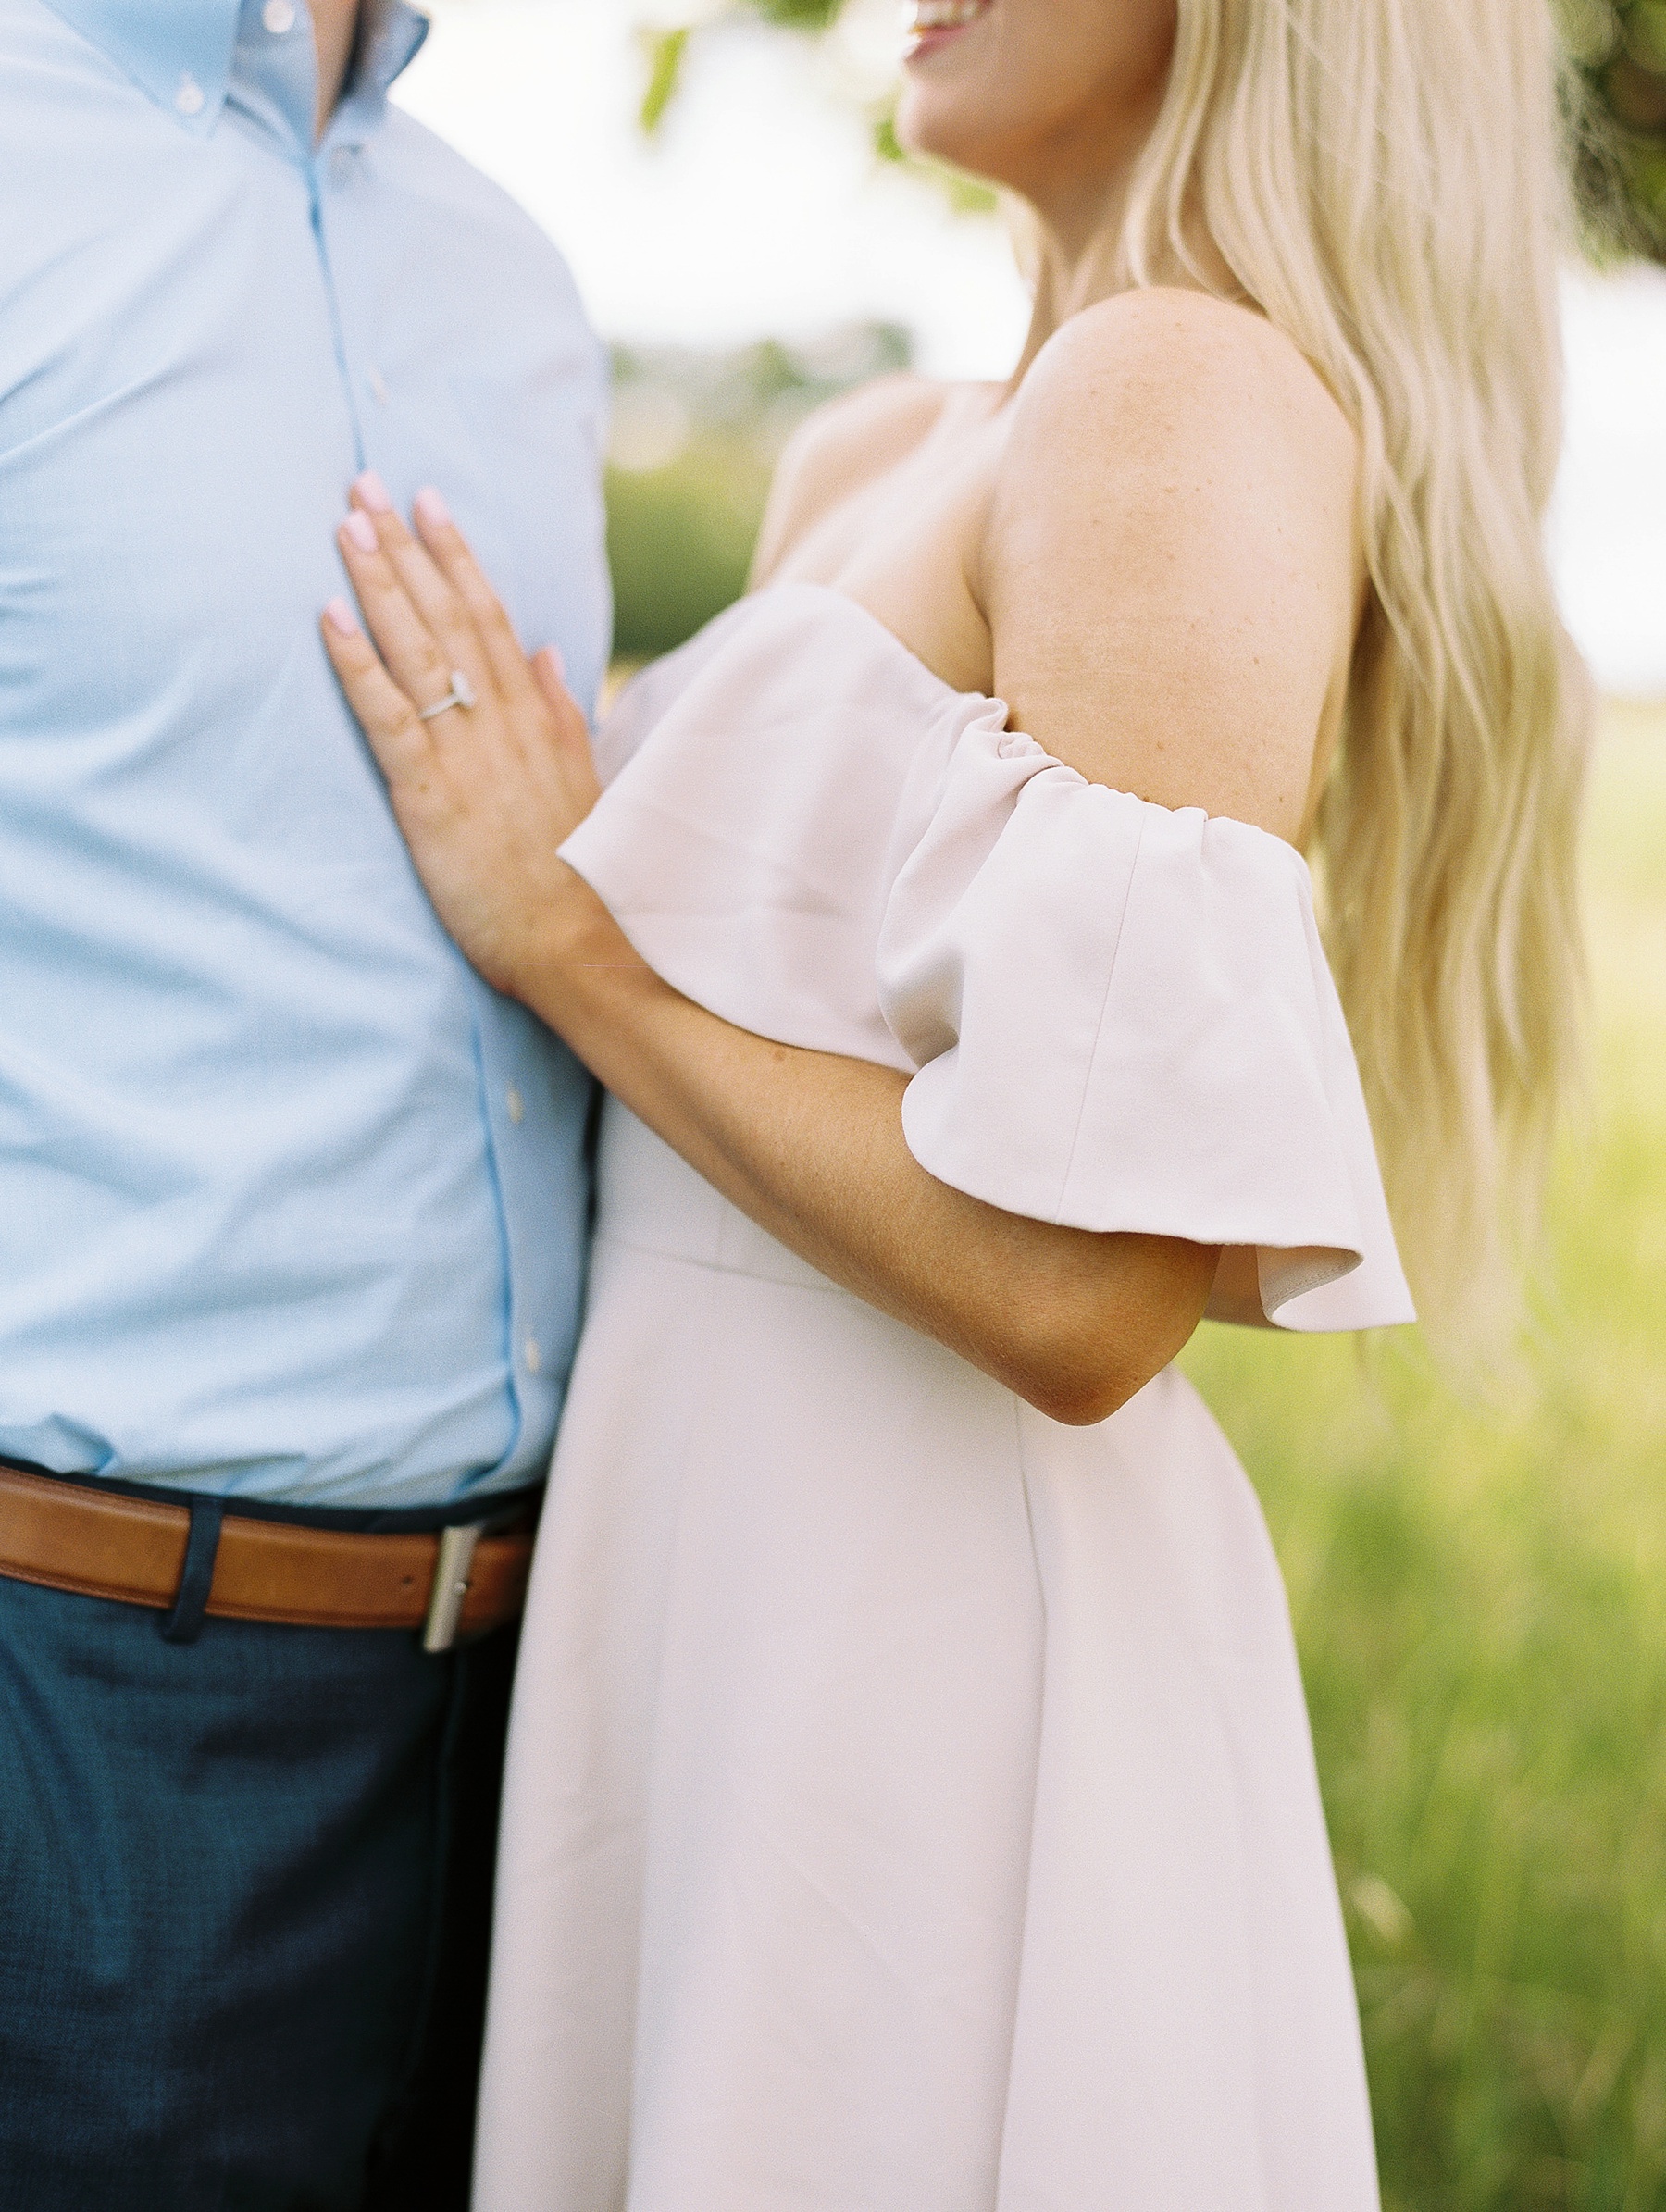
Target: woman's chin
[(934, 125)]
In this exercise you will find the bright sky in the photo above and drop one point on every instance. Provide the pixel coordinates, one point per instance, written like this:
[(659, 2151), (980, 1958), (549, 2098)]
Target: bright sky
[(759, 212)]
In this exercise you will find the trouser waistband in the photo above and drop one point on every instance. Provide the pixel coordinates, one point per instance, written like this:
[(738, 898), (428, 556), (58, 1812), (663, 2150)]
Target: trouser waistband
[(460, 1576)]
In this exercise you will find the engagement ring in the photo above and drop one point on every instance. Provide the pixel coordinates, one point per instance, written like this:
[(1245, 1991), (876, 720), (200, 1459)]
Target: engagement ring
[(462, 693)]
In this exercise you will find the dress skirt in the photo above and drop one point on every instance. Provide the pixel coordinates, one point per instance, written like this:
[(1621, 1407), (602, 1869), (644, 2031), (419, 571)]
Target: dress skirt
[(911, 1800)]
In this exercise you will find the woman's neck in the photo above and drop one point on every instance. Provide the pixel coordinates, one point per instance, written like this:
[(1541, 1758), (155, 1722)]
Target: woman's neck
[(1076, 239)]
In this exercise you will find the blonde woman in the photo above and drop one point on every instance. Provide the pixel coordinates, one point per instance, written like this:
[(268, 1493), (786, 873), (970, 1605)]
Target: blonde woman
[(910, 1805)]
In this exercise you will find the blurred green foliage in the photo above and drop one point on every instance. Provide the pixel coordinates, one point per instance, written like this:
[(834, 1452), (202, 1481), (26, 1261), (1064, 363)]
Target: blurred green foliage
[(665, 50), (679, 542), (695, 438), (797, 15), (1618, 50)]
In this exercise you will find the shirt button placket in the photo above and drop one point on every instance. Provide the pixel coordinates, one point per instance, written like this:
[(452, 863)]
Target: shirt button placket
[(340, 166)]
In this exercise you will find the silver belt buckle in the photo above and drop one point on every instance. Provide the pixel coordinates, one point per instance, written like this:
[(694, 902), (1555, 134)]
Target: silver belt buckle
[(451, 1585)]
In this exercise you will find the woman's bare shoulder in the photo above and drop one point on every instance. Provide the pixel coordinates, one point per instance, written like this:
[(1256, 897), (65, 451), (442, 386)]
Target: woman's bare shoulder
[(1133, 377), (1171, 566), (839, 448)]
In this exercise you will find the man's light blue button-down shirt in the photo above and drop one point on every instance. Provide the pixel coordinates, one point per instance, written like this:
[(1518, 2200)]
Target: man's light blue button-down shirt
[(292, 1206)]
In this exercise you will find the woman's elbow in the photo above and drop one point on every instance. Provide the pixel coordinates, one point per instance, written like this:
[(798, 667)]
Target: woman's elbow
[(1086, 1355), (1082, 1405), (1080, 1392)]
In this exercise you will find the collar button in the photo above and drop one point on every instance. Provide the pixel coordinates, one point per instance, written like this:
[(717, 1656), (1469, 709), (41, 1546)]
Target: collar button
[(279, 16), (190, 99)]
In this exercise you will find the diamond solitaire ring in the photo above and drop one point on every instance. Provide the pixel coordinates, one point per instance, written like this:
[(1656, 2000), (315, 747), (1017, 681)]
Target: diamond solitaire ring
[(462, 693)]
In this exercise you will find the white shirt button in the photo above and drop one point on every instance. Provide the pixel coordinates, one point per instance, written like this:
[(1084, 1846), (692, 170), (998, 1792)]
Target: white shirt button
[(190, 99), (515, 1103), (534, 1355), (279, 16), (341, 164)]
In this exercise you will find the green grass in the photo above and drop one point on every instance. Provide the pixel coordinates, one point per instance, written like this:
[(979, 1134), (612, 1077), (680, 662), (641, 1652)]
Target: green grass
[(679, 542), (1480, 1598)]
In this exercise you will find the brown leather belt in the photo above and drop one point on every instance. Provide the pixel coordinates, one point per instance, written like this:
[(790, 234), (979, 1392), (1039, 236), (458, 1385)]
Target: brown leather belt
[(456, 1584)]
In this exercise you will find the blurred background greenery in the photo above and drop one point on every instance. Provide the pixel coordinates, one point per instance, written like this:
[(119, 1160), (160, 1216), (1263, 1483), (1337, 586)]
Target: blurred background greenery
[(1619, 49), (695, 438)]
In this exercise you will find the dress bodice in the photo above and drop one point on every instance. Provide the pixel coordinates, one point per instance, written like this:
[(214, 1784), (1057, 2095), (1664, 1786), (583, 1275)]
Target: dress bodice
[(1113, 1015)]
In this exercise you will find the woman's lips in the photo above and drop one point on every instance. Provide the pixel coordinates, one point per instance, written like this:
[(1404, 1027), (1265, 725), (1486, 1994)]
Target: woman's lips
[(931, 24)]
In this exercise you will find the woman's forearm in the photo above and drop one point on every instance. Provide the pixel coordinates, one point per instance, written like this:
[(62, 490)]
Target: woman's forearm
[(811, 1146)]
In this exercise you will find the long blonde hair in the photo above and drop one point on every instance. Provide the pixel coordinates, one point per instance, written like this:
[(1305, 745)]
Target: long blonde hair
[(1382, 177)]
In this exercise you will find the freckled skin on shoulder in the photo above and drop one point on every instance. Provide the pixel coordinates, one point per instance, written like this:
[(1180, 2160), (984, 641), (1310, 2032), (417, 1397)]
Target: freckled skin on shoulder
[(1171, 572)]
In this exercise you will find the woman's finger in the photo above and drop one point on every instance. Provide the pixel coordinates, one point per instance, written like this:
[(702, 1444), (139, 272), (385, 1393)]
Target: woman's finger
[(550, 671), (450, 550), (398, 737), (432, 592), (572, 731), (414, 658)]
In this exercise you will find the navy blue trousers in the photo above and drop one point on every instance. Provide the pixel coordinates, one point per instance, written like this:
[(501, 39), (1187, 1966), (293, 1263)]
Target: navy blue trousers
[(244, 1905)]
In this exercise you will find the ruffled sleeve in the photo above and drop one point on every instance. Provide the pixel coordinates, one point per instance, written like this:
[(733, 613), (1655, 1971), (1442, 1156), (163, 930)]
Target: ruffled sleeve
[(1114, 1015), (1122, 1019)]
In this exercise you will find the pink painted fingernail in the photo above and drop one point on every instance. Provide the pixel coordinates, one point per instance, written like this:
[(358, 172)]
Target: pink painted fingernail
[(362, 530), (374, 492), (432, 508), (340, 616)]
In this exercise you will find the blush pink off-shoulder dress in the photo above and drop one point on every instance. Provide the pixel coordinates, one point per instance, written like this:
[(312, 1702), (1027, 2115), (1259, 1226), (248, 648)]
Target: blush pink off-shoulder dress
[(910, 1805)]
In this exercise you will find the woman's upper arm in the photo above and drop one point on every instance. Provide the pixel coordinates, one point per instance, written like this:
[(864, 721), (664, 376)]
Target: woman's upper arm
[(1170, 573)]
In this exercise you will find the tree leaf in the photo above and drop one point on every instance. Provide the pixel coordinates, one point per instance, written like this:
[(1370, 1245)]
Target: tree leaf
[(799, 15), (665, 51)]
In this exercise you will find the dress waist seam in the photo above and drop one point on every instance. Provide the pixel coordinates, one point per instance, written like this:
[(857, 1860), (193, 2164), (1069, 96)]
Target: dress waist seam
[(605, 1238)]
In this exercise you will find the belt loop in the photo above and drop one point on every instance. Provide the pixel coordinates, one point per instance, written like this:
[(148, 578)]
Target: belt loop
[(183, 1622)]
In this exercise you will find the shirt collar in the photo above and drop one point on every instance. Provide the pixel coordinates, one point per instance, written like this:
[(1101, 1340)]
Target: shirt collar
[(179, 51), (389, 39)]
